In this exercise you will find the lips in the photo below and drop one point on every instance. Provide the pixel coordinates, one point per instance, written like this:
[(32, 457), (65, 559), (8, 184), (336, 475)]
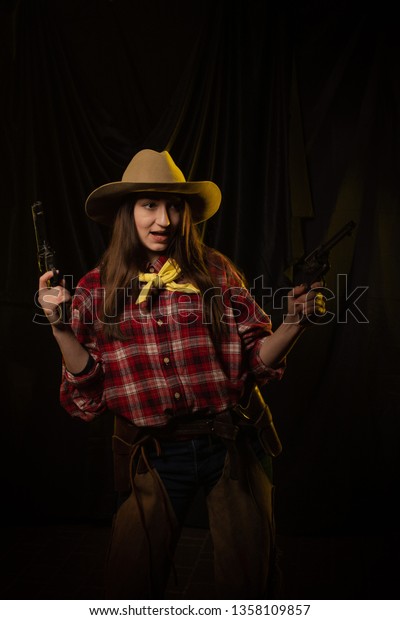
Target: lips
[(159, 236)]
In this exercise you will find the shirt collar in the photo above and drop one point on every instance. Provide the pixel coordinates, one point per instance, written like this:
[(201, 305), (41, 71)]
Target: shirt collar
[(156, 265)]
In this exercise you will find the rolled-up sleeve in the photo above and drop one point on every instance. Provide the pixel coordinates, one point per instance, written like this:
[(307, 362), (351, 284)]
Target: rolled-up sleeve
[(82, 395), (254, 326), (261, 372)]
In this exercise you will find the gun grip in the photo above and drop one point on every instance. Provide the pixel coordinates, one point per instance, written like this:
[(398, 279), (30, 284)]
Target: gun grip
[(55, 279)]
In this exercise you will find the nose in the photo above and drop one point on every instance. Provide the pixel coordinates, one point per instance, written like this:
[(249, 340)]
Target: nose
[(162, 216)]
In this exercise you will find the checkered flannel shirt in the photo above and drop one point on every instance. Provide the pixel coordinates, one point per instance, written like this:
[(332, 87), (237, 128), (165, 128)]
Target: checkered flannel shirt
[(167, 363)]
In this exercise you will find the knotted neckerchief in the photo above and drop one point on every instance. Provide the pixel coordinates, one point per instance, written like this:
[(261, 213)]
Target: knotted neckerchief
[(165, 278)]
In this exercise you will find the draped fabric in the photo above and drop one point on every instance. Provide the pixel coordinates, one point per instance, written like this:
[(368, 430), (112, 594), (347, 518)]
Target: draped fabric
[(293, 110)]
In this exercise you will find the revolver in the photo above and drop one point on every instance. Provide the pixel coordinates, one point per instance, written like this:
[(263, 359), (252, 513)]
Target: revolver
[(46, 257), (312, 267), (45, 253)]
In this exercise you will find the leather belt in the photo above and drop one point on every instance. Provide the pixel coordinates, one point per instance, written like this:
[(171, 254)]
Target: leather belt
[(179, 429)]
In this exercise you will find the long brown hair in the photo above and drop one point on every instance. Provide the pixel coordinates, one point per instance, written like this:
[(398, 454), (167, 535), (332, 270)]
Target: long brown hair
[(126, 256)]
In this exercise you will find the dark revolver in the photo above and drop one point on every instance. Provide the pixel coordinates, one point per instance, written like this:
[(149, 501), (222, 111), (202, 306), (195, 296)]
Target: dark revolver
[(46, 258), (45, 253), (312, 267)]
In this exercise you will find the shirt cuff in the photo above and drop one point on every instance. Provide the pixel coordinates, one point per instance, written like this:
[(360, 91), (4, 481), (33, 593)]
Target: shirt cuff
[(263, 373), (92, 372), (90, 364)]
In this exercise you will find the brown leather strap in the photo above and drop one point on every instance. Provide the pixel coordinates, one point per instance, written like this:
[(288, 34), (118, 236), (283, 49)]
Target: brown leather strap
[(127, 436), (180, 428), (252, 410)]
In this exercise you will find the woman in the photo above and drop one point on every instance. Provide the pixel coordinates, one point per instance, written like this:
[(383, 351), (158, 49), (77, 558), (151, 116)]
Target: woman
[(165, 336)]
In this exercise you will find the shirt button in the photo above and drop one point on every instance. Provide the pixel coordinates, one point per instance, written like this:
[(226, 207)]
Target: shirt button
[(160, 322), (151, 269), (166, 360), (177, 396)]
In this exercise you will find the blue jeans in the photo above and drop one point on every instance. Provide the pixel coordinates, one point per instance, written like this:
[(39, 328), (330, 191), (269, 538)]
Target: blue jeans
[(146, 527), (186, 466)]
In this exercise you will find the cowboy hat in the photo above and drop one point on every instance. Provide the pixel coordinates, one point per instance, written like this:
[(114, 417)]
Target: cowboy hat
[(151, 171)]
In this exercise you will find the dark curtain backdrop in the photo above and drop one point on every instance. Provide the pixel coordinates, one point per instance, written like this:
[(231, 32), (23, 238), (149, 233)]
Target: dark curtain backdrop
[(293, 109)]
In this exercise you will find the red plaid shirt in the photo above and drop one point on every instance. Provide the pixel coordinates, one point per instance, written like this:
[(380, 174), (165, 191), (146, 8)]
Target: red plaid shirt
[(168, 365)]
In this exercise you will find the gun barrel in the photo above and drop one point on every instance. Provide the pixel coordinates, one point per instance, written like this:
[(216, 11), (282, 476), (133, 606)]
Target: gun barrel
[(346, 230), (45, 253), (326, 247), (39, 225)]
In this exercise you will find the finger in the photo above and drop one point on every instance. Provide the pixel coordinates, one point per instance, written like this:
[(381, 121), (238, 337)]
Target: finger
[(298, 290), (50, 278), (318, 284), (44, 279), (52, 297)]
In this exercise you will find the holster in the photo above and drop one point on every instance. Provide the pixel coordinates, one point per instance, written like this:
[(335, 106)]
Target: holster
[(253, 410)]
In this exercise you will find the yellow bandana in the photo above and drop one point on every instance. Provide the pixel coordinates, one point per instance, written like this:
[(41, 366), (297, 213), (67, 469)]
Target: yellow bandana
[(165, 278)]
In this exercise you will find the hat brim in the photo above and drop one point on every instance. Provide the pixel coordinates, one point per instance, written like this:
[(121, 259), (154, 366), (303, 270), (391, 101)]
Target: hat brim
[(203, 197)]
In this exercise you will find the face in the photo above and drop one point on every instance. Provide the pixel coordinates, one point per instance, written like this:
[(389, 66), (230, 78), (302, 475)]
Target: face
[(157, 219)]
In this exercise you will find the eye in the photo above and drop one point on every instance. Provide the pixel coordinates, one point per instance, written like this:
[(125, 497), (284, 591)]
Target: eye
[(177, 204), (148, 204)]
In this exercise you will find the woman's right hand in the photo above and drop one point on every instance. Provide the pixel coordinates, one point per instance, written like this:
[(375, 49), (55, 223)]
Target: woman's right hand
[(52, 298)]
